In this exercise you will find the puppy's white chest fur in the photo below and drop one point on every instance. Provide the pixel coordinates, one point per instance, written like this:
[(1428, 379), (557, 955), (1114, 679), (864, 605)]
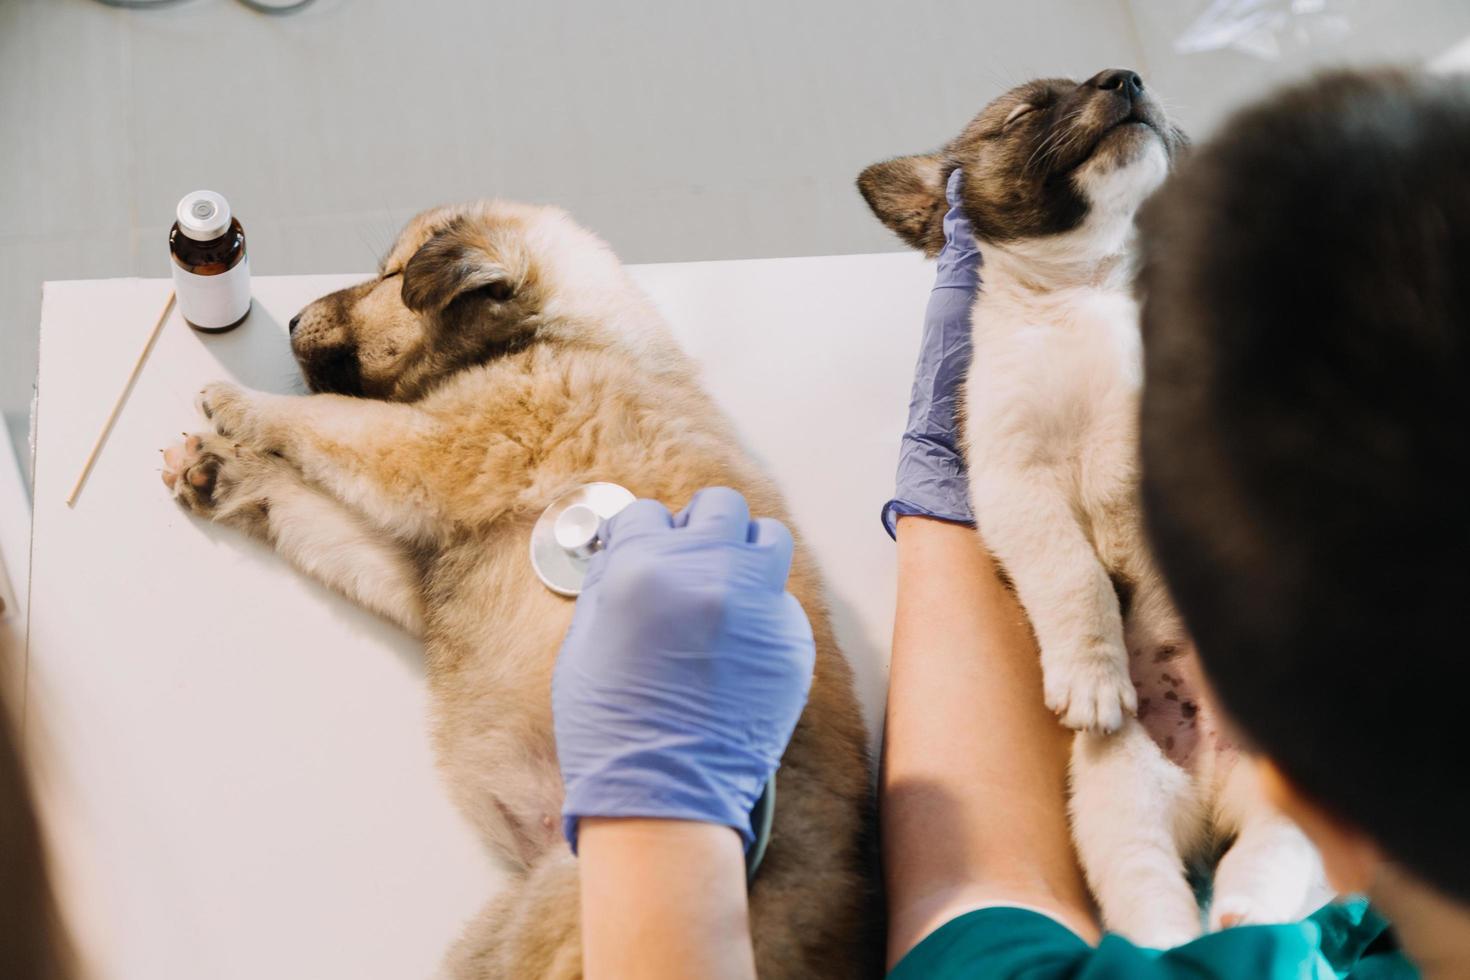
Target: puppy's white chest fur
[(1050, 438), (1053, 387)]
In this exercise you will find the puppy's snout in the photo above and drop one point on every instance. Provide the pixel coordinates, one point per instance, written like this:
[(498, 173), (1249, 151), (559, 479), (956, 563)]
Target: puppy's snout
[(1123, 81), (295, 322)]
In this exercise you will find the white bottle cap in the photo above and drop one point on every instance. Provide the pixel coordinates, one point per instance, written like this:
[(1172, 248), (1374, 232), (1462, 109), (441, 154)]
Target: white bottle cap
[(203, 215)]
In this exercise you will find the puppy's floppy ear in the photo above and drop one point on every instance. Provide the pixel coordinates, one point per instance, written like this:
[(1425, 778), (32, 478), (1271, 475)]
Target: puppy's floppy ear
[(451, 264), (907, 195)]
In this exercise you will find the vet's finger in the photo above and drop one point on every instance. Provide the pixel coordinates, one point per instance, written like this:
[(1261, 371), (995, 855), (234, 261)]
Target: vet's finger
[(773, 540), (639, 517), (717, 512)]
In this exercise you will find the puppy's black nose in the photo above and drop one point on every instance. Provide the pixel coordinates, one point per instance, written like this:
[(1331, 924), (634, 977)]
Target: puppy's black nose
[(1125, 81), (294, 320)]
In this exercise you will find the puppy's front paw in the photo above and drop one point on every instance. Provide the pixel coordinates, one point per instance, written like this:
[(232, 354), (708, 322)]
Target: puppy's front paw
[(230, 408), (213, 477), (192, 474), (1089, 688)]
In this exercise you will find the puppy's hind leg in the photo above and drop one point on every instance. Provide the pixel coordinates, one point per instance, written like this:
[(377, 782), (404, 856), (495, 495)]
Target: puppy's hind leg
[(1134, 814), (1272, 872), (267, 498), (532, 928)]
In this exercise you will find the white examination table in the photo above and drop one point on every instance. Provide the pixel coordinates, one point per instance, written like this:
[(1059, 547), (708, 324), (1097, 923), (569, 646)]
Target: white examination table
[(245, 754)]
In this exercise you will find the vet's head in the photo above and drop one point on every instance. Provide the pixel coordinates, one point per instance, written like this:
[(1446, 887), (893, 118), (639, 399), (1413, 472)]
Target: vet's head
[(1306, 339), (1050, 160), (461, 286)]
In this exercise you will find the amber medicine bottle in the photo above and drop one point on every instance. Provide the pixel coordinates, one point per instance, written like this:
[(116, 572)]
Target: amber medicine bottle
[(210, 267)]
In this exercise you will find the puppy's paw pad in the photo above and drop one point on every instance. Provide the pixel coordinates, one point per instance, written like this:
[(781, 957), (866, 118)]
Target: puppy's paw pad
[(196, 470), (1235, 910), (1264, 907), (176, 457), (1090, 689)]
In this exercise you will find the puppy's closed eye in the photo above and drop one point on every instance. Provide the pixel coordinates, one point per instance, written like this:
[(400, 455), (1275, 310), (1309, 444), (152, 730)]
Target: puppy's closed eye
[(1024, 109)]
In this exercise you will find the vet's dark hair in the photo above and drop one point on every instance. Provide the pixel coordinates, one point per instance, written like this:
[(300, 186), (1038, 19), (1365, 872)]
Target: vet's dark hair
[(1306, 311)]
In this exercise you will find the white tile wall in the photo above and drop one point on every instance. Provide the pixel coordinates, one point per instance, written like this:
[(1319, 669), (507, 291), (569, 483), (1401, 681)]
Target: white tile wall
[(681, 129)]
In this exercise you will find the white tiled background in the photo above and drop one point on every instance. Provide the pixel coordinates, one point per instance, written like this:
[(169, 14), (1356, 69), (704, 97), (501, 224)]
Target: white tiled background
[(680, 129)]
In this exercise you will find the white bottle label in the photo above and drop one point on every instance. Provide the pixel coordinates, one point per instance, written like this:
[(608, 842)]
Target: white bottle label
[(215, 301)]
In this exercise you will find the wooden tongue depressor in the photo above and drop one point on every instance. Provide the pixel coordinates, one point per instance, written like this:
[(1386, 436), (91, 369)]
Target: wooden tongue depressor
[(122, 396)]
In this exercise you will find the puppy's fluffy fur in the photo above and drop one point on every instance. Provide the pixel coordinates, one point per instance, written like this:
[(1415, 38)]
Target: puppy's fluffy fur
[(501, 356), (1053, 173)]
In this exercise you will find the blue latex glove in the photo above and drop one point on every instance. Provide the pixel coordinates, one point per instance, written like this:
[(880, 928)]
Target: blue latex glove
[(931, 474), (685, 669)]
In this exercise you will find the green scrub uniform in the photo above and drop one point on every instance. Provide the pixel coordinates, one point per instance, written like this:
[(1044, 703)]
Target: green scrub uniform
[(1342, 940)]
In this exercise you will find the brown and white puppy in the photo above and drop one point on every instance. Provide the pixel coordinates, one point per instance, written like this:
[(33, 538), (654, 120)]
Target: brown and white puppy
[(501, 356), (1051, 175)]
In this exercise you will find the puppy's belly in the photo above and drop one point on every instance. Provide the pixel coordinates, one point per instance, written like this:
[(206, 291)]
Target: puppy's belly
[(494, 635), (1170, 706)]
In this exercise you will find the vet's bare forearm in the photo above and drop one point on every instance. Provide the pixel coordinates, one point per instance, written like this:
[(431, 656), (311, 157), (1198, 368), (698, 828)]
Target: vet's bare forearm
[(973, 788), (663, 899)]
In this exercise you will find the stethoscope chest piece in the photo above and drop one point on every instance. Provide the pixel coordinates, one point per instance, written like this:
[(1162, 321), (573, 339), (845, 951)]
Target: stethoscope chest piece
[(565, 536)]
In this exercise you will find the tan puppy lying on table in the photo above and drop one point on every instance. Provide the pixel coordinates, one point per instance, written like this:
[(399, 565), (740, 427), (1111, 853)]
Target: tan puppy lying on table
[(501, 356)]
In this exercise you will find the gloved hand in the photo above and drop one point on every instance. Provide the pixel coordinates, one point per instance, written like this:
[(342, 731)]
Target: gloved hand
[(931, 474), (685, 669)]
